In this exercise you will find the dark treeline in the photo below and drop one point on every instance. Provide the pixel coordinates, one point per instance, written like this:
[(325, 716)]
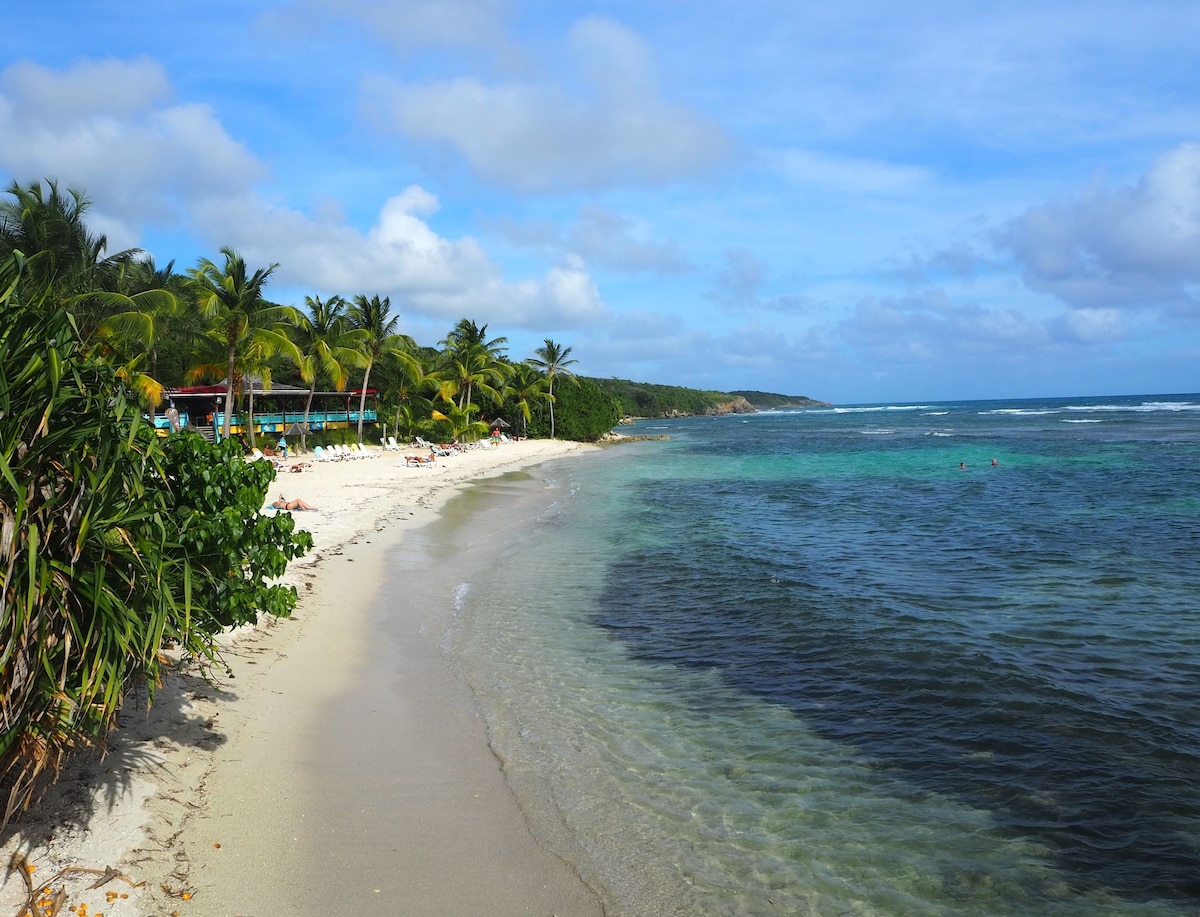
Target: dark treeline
[(215, 323), (645, 399)]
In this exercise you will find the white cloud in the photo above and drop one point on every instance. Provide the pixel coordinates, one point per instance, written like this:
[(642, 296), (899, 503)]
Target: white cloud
[(1136, 246), (1090, 326), (569, 288), (649, 347), (109, 128), (615, 241), (958, 260), (846, 173), (409, 25), (602, 238), (738, 286), (90, 89), (740, 279), (403, 257), (615, 129), (930, 327)]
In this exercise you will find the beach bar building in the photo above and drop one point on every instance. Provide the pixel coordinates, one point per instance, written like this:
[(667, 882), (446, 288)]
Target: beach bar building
[(276, 410)]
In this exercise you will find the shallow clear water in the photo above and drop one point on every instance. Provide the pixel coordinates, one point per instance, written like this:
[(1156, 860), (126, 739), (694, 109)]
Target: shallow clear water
[(805, 664)]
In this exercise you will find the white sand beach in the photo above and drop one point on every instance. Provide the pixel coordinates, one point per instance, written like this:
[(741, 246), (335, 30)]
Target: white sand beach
[(200, 804)]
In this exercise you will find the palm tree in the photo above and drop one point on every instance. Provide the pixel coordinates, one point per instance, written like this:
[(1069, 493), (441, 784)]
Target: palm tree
[(244, 329), (63, 258), (142, 275), (524, 386), (372, 316), (459, 421), (467, 335), (552, 360), (142, 312), (327, 344), (471, 362), (406, 386)]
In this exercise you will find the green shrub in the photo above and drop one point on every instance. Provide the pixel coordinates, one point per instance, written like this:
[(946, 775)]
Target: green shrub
[(228, 551), (110, 547), (582, 411)]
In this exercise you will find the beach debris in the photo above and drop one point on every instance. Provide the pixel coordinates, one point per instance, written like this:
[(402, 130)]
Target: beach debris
[(42, 901)]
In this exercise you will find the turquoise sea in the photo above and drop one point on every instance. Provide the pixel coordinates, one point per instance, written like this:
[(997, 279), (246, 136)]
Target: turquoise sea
[(805, 663)]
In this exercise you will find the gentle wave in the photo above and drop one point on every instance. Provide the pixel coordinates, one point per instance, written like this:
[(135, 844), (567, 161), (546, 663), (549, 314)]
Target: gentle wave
[(874, 409), (1020, 412), (461, 591), (1144, 407)]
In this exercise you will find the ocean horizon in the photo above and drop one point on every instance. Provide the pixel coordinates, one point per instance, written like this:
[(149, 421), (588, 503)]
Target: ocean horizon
[(890, 659)]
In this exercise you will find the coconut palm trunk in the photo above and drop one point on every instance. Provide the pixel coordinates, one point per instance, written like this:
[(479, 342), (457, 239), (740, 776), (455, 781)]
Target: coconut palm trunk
[(225, 421), (250, 413), (362, 399), (312, 390)]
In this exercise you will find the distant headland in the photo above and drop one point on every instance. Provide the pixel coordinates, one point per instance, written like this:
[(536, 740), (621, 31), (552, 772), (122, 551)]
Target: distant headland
[(645, 399)]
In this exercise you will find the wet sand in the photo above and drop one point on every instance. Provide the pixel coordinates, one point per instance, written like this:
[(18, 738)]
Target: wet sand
[(340, 766)]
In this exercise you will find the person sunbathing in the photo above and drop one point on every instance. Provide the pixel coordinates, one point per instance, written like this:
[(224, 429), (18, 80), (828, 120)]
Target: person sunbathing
[(284, 503)]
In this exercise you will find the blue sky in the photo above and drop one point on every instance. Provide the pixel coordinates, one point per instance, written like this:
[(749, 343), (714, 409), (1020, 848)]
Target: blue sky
[(858, 201)]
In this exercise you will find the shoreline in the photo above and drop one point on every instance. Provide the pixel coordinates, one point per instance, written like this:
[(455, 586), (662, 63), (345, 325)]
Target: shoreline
[(177, 804)]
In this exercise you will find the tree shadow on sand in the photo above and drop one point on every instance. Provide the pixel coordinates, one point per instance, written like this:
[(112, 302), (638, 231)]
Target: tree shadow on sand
[(94, 782)]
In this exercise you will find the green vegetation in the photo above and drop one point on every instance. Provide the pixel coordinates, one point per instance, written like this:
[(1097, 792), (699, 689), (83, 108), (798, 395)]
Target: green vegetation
[(643, 399), (242, 330), (552, 360), (216, 324), (327, 345), (765, 401), (584, 411), (113, 543)]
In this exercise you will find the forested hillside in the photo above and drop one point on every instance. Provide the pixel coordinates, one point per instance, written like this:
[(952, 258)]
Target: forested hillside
[(765, 401), (645, 399)]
